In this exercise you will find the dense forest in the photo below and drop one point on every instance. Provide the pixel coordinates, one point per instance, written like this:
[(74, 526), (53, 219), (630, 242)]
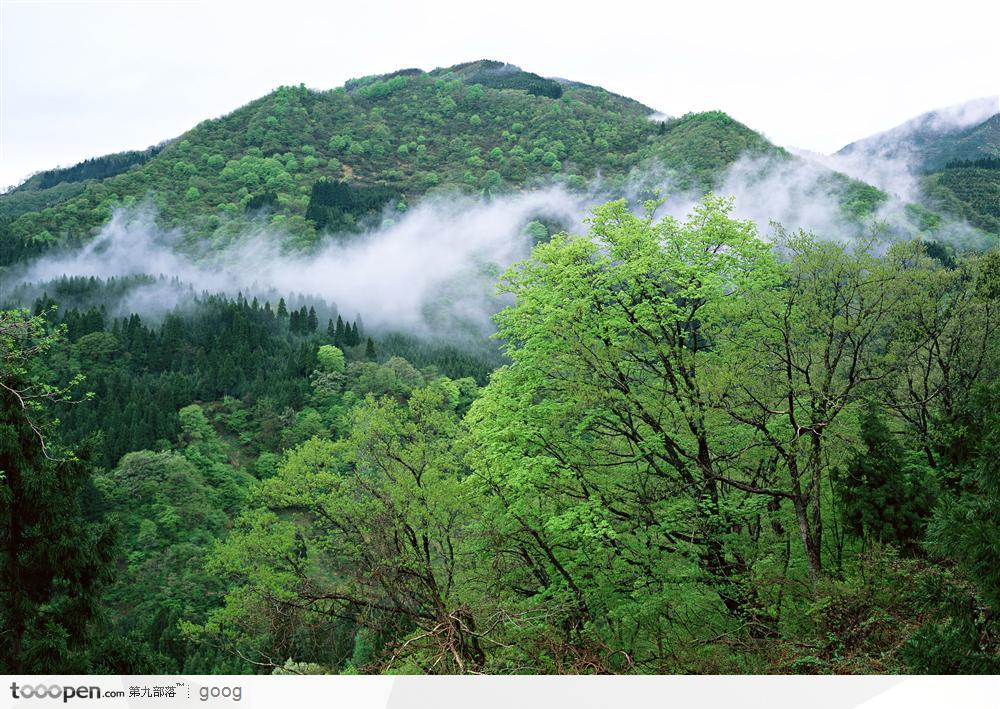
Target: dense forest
[(969, 189), (692, 444), (699, 452)]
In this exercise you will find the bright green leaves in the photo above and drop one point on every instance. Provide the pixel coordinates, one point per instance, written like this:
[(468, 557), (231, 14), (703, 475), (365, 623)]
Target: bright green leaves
[(330, 358), (595, 449), (361, 532)]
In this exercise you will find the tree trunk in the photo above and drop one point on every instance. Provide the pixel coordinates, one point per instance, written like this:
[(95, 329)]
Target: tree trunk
[(808, 539)]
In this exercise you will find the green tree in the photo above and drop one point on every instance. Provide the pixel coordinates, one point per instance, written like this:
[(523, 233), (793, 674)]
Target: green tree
[(376, 538), (54, 558), (330, 358), (801, 361), (885, 495), (598, 446)]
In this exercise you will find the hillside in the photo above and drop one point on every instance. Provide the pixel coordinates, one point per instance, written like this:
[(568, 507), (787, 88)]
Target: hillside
[(308, 162), (480, 127), (969, 131), (946, 159), (969, 190)]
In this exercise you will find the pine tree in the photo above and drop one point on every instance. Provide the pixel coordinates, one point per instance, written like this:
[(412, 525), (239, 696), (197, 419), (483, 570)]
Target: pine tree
[(338, 334), (370, 350), (53, 560), (884, 497)]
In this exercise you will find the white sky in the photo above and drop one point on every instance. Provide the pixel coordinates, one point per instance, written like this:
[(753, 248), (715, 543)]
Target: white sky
[(80, 79)]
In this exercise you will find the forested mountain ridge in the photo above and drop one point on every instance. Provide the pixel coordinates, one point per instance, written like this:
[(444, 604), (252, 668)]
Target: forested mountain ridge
[(966, 132), (90, 169), (481, 127), (953, 155), (963, 177), (969, 190)]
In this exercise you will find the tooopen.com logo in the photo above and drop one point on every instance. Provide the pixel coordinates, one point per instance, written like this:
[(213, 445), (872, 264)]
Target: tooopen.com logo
[(56, 691)]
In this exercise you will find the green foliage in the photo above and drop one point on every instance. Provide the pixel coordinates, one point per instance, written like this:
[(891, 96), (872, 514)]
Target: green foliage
[(145, 372), (175, 503), (495, 75), (969, 192), (338, 206), (699, 146), (56, 555), (591, 447), (330, 358), (885, 498), (371, 525), (966, 527)]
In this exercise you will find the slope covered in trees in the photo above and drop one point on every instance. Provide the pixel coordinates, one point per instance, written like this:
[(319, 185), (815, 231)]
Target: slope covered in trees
[(688, 449), (952, 155), (481, 127), (703, 453), (969, 190)]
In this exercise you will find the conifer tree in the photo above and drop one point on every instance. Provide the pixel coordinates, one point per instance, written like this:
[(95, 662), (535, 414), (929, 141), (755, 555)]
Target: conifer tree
[(338, 335), (54, 560)]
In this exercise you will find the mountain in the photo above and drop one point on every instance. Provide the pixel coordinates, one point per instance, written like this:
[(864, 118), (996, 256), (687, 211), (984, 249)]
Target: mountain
[(967, 185), (477, 127), (308, 162), (968, 131), (947, 159)]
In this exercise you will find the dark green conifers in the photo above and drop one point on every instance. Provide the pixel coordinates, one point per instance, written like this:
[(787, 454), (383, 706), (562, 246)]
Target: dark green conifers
[(55, 556)]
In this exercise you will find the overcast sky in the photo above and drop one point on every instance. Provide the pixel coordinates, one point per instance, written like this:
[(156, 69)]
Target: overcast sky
[(80, 79)]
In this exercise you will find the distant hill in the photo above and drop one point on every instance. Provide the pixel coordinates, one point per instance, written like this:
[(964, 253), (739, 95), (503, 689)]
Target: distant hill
[(50, 187), (309, 162), (950, 156), (91, 169), (968, 131)]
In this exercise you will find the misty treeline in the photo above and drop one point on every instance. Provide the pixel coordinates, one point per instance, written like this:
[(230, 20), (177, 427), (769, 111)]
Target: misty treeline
[(706, 452), (475, 128)]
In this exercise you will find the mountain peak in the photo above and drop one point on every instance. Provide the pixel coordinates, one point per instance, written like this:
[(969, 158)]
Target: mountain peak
[(963, 131)]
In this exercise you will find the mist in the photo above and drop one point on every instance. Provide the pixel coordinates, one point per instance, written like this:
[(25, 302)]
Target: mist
[(891, 160), (796, 193), (432, 271)]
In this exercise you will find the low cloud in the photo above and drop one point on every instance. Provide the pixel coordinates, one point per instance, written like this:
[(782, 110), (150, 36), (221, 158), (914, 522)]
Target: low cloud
[(433, 269), (891, 160)]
